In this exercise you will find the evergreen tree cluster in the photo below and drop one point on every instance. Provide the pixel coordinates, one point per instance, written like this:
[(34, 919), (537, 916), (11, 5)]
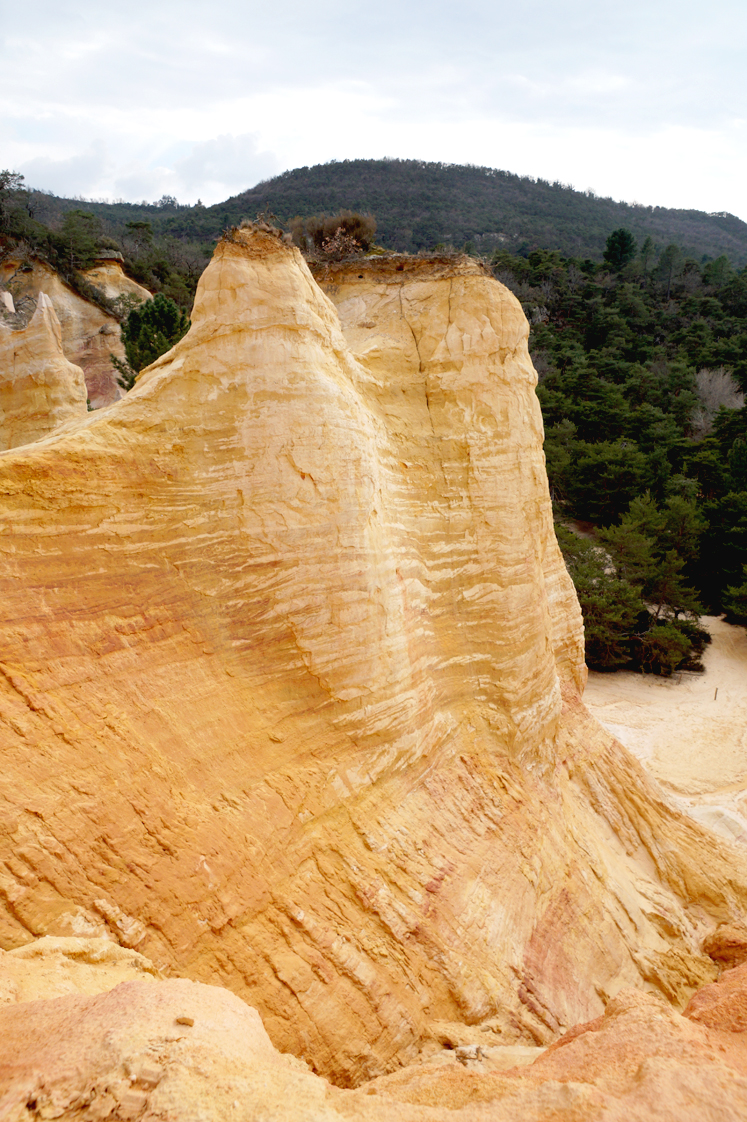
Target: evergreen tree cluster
[(150, 329), (642, 362)]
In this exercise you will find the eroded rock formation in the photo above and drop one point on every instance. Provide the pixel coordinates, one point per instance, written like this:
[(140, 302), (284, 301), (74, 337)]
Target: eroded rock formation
[(39, 388), (50, 967), (290, 681), (89, 334), (108, 275), (172, 1050)]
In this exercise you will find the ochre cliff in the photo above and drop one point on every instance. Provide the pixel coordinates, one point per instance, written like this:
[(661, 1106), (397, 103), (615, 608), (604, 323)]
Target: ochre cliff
[(289, 681), (89, 334), (39, 388), (51, 967), (108, 275), (453, 339), (115, 1043)]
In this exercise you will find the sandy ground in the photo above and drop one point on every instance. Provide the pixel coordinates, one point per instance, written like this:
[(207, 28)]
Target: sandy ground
[(690, 730)]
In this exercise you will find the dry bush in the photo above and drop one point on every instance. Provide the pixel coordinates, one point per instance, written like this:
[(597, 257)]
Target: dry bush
[(334, 237), (714, 388), (341, 246)]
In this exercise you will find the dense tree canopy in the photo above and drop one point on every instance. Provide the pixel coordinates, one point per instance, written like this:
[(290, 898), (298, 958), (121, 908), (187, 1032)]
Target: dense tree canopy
[(643, 368), (419, 205), (620, 249)]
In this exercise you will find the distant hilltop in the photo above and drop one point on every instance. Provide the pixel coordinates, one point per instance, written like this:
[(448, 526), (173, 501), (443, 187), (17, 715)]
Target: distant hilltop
[(419, 206)]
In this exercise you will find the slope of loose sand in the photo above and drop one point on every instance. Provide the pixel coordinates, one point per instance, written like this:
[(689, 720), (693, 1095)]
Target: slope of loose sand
[(689, 730)]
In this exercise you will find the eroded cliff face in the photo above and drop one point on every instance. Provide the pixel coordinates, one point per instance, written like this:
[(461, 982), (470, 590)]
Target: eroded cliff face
[(452, 341), (39, 388), (108, 275), (116, 1043), (89, 335), (285, 647)]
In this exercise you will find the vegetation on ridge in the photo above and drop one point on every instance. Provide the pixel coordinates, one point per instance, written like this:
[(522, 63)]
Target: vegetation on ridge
[(336, 236), (643, 366), (71, 238), (418, 206)]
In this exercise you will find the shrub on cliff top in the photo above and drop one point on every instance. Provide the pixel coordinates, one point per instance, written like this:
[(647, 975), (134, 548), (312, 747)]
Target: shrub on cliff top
[(341, 235)]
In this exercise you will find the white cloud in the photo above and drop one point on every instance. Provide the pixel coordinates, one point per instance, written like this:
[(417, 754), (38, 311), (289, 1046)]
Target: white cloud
[(226, 165), (642, 99), (82, 173)]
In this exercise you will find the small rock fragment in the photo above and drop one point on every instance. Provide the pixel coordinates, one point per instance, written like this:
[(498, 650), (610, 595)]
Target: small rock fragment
[(149, 1075), (466, 1052), (132, 1102)]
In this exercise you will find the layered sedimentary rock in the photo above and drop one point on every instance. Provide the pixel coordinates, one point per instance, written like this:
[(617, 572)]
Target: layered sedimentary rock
[(89, 334), (51, 967), (172, 1050), (445, 332), (108, 275), (39, 388), (639, 1061), (285, 642)]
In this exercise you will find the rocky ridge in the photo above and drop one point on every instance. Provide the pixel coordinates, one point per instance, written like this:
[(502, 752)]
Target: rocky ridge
[(90, 335), (39, 388), (300, 676)]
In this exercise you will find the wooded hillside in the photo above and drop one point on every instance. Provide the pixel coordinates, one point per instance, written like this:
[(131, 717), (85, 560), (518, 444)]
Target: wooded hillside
[(643, 371), (419, 205)]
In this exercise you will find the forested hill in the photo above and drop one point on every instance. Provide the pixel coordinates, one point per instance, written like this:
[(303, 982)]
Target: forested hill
[(418, 205)]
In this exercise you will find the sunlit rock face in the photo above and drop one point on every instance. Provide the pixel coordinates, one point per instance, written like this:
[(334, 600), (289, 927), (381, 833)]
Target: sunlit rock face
[(445, 352), (110, 278), (39, 388), (87, 1033), (285, 648), (90, 335)]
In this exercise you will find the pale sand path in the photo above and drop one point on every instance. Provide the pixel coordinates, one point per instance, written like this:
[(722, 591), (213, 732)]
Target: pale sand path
[(695, 746)]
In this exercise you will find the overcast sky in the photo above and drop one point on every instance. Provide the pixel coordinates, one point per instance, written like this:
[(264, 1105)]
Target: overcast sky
[(643, 100)]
